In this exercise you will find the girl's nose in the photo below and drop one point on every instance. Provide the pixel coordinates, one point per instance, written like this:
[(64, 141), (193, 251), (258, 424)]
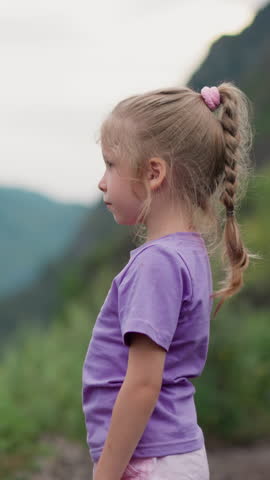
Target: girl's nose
[(101, 185)]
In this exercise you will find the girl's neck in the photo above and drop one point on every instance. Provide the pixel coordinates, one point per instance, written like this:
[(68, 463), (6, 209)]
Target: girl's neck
[(164, 219)]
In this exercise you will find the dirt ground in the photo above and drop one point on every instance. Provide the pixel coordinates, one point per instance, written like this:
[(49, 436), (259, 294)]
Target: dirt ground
[(71, 461)]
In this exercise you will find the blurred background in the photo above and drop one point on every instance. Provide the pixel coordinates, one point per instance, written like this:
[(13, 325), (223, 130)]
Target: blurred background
[(64, 65)]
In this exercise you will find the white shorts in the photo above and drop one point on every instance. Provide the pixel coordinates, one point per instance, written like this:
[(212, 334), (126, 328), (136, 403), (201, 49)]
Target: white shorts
[(182, 466)]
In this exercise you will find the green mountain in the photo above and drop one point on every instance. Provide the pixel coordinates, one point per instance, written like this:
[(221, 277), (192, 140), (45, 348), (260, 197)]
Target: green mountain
[(35, 230)]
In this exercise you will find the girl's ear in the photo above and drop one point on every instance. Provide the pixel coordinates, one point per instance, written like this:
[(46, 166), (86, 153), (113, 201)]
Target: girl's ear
[(156, 171)]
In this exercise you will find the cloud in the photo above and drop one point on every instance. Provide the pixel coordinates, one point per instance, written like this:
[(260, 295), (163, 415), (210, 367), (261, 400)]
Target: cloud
[(64, 65), (35, 30)]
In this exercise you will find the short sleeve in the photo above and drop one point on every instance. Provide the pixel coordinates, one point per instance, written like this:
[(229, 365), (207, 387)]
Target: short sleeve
[(150, 296)]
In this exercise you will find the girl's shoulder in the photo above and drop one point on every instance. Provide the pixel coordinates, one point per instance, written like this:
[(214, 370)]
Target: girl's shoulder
[(154, 262)]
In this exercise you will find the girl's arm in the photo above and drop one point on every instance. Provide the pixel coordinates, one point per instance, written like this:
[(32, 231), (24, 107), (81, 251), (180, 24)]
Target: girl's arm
[(133, 407)]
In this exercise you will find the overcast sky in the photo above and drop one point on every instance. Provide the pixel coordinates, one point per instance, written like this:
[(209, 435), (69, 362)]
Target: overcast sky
[(65, 64)]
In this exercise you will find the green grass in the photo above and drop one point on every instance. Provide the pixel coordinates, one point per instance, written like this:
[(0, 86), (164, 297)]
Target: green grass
[(40, 388), (233, 394)]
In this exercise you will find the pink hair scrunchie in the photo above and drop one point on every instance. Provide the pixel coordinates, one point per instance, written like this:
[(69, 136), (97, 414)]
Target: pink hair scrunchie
[(211, 97)]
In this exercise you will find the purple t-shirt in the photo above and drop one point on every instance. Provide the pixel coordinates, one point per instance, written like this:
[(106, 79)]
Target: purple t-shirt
[(164, 292)]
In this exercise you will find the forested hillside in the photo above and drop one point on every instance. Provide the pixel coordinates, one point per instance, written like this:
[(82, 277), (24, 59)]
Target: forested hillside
[(34, 231)]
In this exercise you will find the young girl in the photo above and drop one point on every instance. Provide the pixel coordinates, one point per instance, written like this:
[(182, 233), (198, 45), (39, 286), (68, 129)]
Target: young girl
[(173, 156)]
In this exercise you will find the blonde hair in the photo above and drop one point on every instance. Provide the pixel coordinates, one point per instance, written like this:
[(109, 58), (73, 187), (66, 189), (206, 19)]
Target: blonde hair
[(208, 155)]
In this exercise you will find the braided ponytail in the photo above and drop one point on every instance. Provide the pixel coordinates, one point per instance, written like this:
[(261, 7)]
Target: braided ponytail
[(234, 118)]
